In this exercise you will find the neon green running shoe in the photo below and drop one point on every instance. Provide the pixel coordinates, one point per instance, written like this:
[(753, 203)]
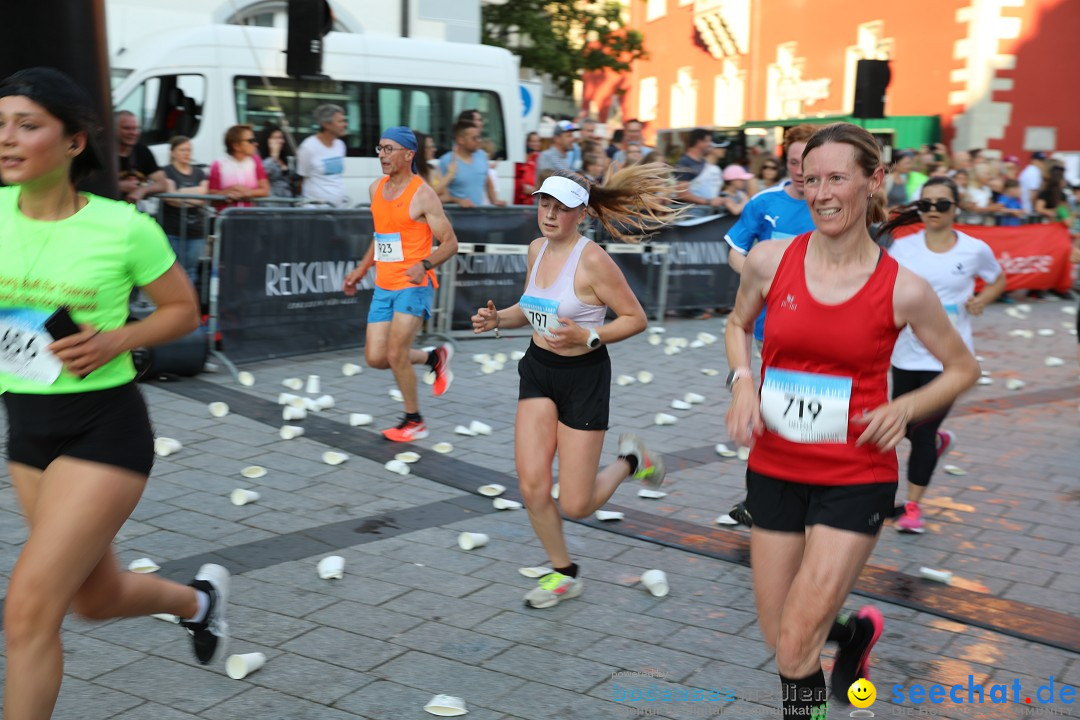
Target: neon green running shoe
[(552, 589), (650, 466)]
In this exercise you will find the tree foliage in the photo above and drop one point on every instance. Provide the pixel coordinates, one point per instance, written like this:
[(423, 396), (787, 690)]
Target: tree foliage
[(563, 38)]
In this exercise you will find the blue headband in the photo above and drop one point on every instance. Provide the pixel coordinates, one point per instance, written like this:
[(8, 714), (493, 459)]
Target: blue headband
[(404, 137)]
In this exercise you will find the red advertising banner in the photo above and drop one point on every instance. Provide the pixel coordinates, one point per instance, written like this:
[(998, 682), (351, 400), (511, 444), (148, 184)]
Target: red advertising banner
[(1034, 257)]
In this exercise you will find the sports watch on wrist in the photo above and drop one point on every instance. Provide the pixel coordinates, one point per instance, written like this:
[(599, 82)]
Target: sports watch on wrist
[(426, 263), (594, 339), (734, 376)]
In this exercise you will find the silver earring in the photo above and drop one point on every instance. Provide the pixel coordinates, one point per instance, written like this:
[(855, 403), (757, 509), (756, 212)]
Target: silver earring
[(871, 196)]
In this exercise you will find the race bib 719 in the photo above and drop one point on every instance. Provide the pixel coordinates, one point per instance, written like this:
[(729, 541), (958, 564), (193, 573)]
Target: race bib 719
[(806, 407)]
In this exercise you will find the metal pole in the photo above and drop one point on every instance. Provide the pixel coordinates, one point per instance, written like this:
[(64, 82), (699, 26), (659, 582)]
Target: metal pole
[(661, 301)]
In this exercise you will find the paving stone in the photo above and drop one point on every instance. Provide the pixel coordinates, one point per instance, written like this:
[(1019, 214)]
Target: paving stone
[(553, 668), (154, 711), (86, 657), (437, 675), (390, 701), (172, 683), (90, 701), (536, 701), (453, 643), (260, 702), (644, 657), (374, 622), (342, 648), (453, 611), (312, 680)]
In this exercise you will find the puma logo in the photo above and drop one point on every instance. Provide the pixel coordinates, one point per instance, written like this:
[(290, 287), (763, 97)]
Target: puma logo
[(772, 220)]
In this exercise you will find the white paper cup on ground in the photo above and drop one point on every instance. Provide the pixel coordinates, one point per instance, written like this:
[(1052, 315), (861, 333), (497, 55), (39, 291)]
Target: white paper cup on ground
[(954, 470), (985, 380), (332, 457), (505, 504), (286, 398), (492, 490), (664, 419), (656, 582), (143, 565), (358, 419), (680, 404), (609, 515), (656, 330), (164, 446), (655, 340), (407, 457), (443, 448), (500, 357), (446, 706), (644, 377), (481, 358), (314, 387), (290, 432), (239, 667), (695, 344), (693, 398), (724, 451), (350, 369), (711, 372), (517, 355), (253, 472), (650, 494), (395, 394), (479, 428), (1014, 384), (1054, 361), (707, 338), (672, 350), (1046, 332), (293, 383), (293, 413), (471, 541), (331, 567), (396, 466), (324, 402), (941, 576), (624, 380), (245, 378), (218, 409), (240, 496), (464, 430)]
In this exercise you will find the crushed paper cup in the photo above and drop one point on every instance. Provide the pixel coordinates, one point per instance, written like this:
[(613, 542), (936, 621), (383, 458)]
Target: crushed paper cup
[(644, 377), (314, 387), (479, 428), (331, 567), (1024, 308), (664, 419), (656, 582), (165, 446), (517, 355), (308, 404), (505, 504), (358, 419), (245, 378), (624, 380), (239, 667), (1026, 334), (253, 472), (143, 565), (1054, 361), (1015, 313), (481, 358), (471, 541), (293, 413), (707, 338), (289, 432), (1047, 332), (324, 402), (941, 576), (724, 451), (445, 706), (218, 409), (536, 571), (407, 457), (954, 470), (679, 342), (744, 453), (679, 405), (286, 398), (395, 394), (609, 515), (555, 491), (464, 430), (656, 330), (443, 448), (488, 368), (398, 467), (167, 617), (695, 344), (672, 350), (1069, 309), (985, 380), (300, 402), (655, 340), (492, 490), (332, 457), (984, 373), (350, 369), (1014, 384), (651, 494), (726, 519), (711, 372), (693, 398), (240, 496), (293, 383), (499, 357)]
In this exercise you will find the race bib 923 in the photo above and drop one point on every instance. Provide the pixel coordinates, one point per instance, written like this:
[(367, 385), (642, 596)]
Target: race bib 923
[(388, 247), (24, 346), (806, 407), (542, 313)]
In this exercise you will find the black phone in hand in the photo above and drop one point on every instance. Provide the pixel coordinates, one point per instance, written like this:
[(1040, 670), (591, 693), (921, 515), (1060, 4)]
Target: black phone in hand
[(60, 324)]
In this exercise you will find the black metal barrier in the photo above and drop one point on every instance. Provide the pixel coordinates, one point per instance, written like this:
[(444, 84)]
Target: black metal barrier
[(278, 273)]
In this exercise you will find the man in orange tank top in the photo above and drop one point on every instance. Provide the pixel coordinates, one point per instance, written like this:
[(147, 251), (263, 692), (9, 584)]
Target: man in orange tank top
[(408, 215)]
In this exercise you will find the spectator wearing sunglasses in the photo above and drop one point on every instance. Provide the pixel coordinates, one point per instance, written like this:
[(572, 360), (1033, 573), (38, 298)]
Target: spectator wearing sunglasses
[(950, 261), (769, 174), (240, 174)]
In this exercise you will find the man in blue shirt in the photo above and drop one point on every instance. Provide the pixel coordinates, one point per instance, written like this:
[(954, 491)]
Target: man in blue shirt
[(467, 167)]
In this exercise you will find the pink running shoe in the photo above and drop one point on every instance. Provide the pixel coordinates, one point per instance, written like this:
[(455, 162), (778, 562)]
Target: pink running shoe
[(946, 441), (911, 520)]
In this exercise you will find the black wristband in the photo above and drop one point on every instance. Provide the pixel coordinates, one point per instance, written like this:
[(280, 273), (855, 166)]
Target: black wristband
[(426, 263)]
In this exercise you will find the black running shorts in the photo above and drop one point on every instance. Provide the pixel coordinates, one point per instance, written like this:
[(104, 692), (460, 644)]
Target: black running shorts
[(792, 507), (106, 426), (579, 385)]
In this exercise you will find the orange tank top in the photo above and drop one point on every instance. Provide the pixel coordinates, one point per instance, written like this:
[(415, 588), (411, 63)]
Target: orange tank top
[(400, 241)]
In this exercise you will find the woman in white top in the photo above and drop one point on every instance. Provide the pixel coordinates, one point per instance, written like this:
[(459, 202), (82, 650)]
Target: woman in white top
[(950, 261), (566, 373), (240, 174)]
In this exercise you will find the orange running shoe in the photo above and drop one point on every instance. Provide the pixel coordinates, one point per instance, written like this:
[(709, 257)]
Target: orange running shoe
[(407, 431)]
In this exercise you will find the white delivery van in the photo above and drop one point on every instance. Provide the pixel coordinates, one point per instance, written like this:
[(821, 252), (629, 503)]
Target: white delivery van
[(200, 82)]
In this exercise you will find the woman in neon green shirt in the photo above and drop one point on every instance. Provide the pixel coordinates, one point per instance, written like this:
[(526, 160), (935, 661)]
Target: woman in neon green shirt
[(80, 445)]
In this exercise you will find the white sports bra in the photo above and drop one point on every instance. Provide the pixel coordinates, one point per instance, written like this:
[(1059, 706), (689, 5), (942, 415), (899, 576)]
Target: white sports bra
[(542, 306)]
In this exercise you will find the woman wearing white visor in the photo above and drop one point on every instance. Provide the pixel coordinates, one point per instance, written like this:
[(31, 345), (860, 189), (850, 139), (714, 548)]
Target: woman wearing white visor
[(566, 372)]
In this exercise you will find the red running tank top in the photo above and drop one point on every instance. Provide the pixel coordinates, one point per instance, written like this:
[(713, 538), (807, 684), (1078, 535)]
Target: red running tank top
[(400, 241), (819, 355)]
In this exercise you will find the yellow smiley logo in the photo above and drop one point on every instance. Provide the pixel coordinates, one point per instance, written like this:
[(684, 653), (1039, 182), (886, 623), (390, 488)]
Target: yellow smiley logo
[(862, 693)]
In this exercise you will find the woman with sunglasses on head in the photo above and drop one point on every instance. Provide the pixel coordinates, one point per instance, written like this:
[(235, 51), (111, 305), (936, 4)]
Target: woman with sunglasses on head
[(950, 261), (565, 375), (80, 445)]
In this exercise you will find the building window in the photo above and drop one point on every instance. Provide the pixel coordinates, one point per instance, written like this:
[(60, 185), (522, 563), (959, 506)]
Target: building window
[(728, 96), (649, 99), (655, 9), (684, 99)]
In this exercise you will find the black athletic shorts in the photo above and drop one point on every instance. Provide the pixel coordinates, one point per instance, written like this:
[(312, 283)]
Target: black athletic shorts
[(107, 426), (580, 386), (787, 506)]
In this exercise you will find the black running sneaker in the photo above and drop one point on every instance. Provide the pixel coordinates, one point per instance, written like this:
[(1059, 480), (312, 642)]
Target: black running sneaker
[(211, 636), (741, 515), (853, 659)]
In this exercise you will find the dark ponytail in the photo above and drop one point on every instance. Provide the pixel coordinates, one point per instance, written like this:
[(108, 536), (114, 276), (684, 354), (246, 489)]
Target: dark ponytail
[(909, 214)]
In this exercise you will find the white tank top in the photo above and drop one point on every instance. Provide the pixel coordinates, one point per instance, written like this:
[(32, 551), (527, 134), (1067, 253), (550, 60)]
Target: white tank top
[(543, 306)]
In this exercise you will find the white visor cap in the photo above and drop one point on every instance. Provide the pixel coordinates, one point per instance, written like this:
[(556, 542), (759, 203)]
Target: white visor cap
[(565, 190)]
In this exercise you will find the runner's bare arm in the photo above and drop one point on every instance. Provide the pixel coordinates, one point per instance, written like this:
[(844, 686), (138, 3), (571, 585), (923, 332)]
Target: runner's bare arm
[(427, 208)]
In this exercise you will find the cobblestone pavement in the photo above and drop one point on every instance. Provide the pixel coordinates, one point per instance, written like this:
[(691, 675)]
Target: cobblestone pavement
[(415, 615)]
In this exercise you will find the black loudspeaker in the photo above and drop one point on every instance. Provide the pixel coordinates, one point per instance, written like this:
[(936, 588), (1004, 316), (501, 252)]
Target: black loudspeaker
[(185, 356), (871, 79), (309, 21)]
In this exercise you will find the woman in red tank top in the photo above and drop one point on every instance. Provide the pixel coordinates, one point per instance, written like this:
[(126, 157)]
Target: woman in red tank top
[(822, 472)]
